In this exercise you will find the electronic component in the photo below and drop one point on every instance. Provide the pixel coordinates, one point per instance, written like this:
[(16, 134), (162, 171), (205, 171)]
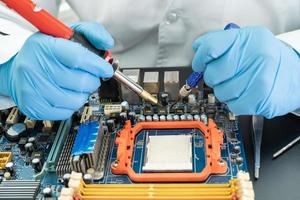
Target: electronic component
[(22, 142), (164, 99), (125, 142), (169, 117), (47, 192), (125, 106), (15, 131), (87, 178), (85, 152), (19, 189), (162, 118), (192, 99), (48, 125), (211, 99), (149, 118), (171, 84), (111, 109), (9, 167), (37, 164), (203, 118), (29, 147), (151, 83), (142, 118), (162, 156), (13, 116), (86, 114), (125, 157), (5, 157), (29, 123), (127, 94), (66, 179), (7, 175)]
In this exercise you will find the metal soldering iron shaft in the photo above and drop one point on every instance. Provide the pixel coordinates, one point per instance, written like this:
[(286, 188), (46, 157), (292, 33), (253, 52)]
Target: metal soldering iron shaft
[(133, 86)]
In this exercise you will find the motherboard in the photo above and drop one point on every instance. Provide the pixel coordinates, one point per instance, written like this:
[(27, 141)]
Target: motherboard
[(118, 146)]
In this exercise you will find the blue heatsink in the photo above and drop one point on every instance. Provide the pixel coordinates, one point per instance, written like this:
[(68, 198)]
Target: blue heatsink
[(86, 138)]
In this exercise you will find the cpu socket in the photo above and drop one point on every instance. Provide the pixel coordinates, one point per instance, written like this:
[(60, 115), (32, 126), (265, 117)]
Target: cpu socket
[(168, 157)]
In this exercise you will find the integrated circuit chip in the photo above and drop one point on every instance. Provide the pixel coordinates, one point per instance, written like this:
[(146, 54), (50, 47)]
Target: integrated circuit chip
[(168, 153)]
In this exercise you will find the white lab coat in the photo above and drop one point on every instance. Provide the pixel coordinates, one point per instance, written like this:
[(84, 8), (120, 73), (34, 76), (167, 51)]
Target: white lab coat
[(159, 33)]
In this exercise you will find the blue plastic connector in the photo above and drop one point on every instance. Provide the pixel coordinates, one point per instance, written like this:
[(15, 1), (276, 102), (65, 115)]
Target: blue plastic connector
[(194, 79)]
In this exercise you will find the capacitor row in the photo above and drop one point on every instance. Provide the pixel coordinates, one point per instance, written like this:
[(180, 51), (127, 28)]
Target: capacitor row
[(173, 117)]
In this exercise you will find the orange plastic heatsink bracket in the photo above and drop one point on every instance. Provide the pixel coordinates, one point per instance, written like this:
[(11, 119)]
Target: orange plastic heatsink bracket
[(213, 141)]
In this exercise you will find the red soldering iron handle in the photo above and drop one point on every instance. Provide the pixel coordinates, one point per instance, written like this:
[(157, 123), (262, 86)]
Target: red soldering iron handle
[(40, 18), (48, 24)]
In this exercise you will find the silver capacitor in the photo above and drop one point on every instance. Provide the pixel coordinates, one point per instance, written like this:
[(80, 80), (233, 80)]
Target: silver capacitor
[(192, 99), (88, 178), (211, 99), (66, 179), (37, 164), (203, 118), (182, 117), (155, 118), (189, 117), (169, 117), (162, 118), (176, 118), (29, 147), (142, 118), (47, 192), (125, 105), (149, 118), (196, 117)]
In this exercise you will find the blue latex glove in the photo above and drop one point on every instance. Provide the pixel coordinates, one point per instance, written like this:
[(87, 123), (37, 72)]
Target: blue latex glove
[(50, 78), (250, 70)]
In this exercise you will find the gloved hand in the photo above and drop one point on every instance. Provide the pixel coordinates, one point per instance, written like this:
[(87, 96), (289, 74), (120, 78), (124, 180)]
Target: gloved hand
[(50, 78), (250, 70)]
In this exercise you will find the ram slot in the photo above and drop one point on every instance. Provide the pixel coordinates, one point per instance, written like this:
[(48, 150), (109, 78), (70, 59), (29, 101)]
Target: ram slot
[(63, 165)]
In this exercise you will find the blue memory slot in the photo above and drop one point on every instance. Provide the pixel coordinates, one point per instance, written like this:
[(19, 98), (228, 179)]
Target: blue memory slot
[(86, 138)]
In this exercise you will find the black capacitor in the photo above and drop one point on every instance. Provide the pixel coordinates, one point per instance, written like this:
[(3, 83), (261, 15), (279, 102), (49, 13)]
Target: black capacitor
[(32, 140), (29, 147), (110, 125), (66, 179), (237, 149), (37, 164), (9, 167), (22, 143), (233, 156), (239, 160), (88, 178), (14, 132), (123, 117), (47, 192), (164, 99), (131, 116)]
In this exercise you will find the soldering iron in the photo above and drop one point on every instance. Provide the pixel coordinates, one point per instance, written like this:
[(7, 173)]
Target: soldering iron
[(48, 24)]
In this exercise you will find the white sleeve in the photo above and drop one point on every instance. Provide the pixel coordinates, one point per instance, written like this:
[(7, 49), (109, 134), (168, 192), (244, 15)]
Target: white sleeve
[(292, 39), (13, 33)]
